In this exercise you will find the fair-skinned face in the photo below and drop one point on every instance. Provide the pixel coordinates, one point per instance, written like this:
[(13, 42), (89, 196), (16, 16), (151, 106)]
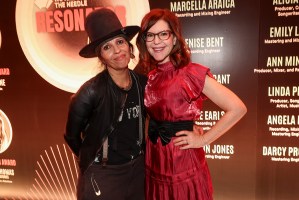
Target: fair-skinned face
[(160, 49), (116, 54)]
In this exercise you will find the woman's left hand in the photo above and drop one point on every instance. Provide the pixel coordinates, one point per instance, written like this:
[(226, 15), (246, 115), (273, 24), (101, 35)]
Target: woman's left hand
[(190, 139)]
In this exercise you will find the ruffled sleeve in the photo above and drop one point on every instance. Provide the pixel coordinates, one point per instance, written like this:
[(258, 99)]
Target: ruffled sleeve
[(193, 81)]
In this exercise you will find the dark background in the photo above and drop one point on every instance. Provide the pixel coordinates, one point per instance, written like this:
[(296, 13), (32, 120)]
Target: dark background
[(37, 110)]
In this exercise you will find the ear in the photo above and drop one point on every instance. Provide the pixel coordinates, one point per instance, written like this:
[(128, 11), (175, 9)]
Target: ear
[(174, 40)]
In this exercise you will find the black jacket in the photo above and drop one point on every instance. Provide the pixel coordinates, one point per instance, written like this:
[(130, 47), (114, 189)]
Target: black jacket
[(93, 114)]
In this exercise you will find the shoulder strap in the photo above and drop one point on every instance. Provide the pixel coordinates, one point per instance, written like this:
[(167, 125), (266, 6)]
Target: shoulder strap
[(140, 110)]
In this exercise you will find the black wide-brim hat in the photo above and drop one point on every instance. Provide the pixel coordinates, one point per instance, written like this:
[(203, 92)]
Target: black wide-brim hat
[(102, 25)]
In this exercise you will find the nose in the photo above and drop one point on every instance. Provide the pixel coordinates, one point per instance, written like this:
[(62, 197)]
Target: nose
[(156, 39), (116, 49)]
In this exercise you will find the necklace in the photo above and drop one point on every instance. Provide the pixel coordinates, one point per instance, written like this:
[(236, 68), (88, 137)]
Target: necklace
[(127, 88), (120, 84)]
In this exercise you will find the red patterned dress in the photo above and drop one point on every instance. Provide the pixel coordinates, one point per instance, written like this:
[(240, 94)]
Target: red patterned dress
[(173, 96)]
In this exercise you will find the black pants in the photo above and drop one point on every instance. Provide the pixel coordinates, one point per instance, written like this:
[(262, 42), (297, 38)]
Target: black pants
[(115, 182)]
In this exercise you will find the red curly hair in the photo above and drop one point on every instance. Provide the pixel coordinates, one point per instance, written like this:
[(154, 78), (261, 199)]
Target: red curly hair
[(180, 54)]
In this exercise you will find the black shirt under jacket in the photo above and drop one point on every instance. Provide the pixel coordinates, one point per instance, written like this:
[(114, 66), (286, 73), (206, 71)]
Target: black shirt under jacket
[(93, 114)]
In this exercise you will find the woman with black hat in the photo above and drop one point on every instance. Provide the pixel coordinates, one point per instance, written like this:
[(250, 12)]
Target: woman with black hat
[(105, 124)]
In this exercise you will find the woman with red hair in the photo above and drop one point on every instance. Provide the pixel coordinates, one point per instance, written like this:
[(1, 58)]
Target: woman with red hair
[(176, 167)]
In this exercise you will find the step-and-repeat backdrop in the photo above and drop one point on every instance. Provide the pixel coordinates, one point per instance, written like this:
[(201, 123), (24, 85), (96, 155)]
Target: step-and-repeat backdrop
[(251, 47)]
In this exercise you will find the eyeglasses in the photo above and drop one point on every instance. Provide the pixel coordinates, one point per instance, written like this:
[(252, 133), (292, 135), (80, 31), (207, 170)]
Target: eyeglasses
[(163, 35)]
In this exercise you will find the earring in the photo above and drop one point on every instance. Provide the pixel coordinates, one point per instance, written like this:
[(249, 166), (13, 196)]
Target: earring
[(132, 55)]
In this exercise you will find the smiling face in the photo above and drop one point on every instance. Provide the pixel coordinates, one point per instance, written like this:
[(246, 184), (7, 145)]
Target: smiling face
[(115, 54), (159, 48)]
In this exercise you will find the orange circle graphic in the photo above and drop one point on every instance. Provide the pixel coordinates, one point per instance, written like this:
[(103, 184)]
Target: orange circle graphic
[(51, 34)]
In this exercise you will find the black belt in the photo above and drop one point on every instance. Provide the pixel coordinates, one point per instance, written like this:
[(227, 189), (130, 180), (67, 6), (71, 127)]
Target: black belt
[(166, 130)]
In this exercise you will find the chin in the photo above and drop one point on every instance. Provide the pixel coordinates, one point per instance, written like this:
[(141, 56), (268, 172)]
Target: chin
[(161, 61)]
